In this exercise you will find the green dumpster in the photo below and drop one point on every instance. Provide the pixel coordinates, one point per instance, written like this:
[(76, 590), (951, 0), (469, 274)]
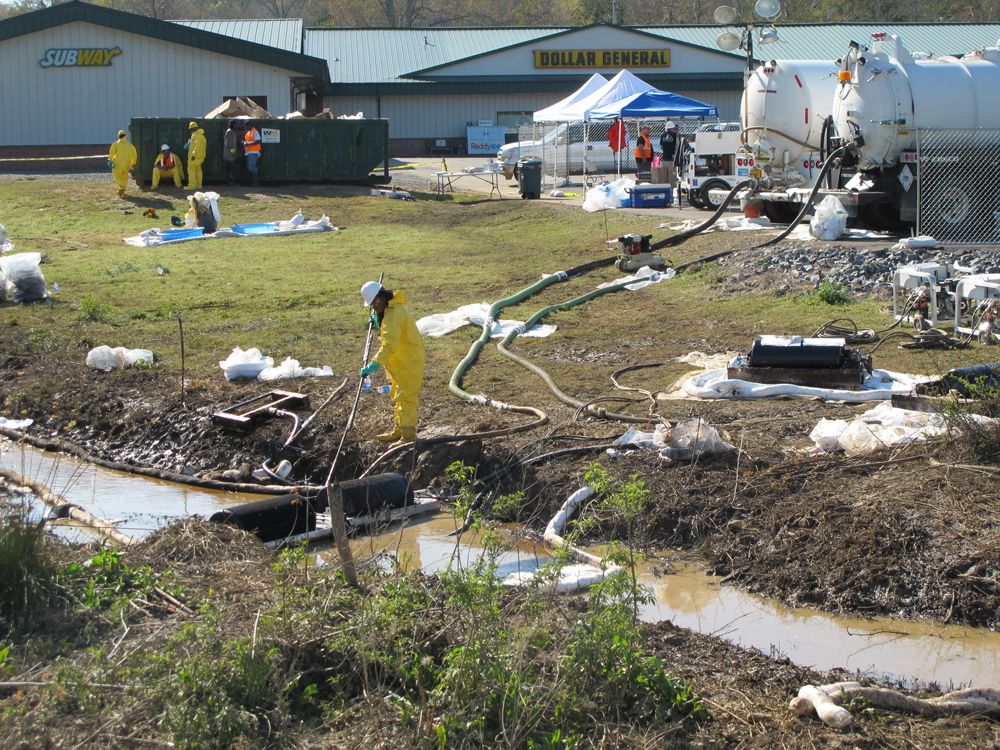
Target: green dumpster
[(293, 151)]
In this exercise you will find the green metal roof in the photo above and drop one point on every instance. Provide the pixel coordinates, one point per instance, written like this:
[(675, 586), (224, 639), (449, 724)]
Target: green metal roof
[(829, 41), (280, 33), (75, 11), (371, 56), (382, 55)]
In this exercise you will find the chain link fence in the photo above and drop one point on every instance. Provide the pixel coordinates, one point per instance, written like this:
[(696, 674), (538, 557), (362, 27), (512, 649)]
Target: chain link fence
[(958, 198), (572, 150)]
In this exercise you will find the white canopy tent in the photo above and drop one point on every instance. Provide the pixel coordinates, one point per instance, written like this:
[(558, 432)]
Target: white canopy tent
[(563, 110), (577, 107)]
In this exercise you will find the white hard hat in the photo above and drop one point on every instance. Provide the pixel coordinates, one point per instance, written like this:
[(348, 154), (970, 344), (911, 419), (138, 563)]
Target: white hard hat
[(369, 291), (669, 124), (165, 147)]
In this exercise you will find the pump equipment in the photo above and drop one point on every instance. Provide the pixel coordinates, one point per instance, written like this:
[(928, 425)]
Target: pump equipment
[(635, 253), (814, 362)]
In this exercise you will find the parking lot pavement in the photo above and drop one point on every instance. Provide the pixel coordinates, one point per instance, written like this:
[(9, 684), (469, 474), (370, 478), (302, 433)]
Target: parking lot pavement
[(419, 174)]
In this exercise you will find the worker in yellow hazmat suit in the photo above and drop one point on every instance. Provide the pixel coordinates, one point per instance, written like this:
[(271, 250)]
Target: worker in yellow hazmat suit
[(196, 155), (167, 164), (121, 158), (401, 354)]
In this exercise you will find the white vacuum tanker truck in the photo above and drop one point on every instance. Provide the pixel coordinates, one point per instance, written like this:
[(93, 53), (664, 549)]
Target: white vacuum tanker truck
[(796, 112)]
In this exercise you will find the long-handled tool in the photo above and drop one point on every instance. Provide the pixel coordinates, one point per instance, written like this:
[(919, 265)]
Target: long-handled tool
[(335, 500)]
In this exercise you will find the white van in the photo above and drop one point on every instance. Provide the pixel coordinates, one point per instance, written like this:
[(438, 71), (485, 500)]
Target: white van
[(565, 142)]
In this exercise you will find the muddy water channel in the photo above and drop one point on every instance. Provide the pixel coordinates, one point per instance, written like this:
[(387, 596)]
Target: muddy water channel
[(911, 651)]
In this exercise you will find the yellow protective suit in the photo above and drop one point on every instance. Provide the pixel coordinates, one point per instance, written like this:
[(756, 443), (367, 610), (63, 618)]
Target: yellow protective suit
[(123, 157), (196, 155), (176, 171), (402, 356)]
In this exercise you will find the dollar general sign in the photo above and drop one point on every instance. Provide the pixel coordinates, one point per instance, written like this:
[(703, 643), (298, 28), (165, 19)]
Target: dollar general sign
[(602, 58)]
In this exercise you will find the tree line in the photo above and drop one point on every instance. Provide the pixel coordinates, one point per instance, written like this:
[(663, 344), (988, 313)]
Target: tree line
[(479, 13)]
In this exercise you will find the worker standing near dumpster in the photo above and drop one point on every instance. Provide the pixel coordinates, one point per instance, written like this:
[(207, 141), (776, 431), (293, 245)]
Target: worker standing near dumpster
[(196, 155), (232, 150), (401, 354), (167, 165), (251, 150), (121, 158)]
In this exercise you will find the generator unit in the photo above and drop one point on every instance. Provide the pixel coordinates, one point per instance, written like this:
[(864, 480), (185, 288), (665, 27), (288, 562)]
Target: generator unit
[(635, 253), (977, 304), (923, 293), (813, 362)]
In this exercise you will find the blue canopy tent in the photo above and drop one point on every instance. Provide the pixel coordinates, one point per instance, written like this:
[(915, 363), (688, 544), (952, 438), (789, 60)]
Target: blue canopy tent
[(654, 104)]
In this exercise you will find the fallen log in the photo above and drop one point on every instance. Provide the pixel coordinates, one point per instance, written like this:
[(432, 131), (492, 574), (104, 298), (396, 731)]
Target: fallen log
[(58, 445), (825, 702)]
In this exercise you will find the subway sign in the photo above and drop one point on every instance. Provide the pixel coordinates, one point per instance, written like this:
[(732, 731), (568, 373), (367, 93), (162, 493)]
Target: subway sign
[(601, 58), (79, 58)]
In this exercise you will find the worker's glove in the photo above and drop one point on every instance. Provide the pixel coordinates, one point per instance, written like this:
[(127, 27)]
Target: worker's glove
[(373, 320), (111, 164), (187, 145), (369, 369)]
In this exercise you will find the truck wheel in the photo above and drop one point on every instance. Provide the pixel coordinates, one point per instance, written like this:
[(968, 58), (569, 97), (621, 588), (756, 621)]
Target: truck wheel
[(707, 198), (694, 199), (780, 212)]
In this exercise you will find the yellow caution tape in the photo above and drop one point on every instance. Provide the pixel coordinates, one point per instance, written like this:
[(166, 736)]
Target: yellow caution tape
[(408, 166), (55, 158)]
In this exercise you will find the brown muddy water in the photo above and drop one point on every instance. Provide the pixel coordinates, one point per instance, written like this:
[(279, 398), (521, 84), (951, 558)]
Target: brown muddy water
[(924, 652)]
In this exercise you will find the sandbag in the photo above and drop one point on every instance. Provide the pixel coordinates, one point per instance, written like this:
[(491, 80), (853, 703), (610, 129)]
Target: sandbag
[(830, 219), (107, 358), (21, 279)]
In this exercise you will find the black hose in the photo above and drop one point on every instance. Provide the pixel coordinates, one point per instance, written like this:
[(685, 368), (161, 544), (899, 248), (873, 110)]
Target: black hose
[(680, 237), (807, 204)]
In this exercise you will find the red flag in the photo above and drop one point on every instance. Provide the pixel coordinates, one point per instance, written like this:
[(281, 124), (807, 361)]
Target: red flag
[(616, 136)]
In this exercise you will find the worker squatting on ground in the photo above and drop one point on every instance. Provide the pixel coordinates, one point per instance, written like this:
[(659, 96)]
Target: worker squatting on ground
[(196, 155), (167, 165), (401, 354), (121, 158), (251, 150)]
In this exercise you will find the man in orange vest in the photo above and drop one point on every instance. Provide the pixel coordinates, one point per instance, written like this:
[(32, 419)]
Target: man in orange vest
[(251, 150), (167, 164), (643, 151)]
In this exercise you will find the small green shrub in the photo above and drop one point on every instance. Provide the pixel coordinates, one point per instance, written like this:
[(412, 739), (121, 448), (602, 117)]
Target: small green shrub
[(95, 311), (832, 293), (27, 571)]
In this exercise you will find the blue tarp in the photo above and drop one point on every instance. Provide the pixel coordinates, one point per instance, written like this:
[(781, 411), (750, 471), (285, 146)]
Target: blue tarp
[(654, 104)]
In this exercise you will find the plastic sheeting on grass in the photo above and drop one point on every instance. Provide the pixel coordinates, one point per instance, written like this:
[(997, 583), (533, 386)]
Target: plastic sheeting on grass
[(298, 224), (290, 368), (643, 278), (16, 424), (108, 358), (883, 426), (688, 439), (251, 363), (440, 324), (5, 242), (878, 386)]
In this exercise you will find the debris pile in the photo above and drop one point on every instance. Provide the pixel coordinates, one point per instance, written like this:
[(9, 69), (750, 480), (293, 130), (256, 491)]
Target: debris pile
[(861, 269)]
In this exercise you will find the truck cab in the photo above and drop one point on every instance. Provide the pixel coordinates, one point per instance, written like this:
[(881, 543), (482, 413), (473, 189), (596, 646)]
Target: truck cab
[(716, 163)]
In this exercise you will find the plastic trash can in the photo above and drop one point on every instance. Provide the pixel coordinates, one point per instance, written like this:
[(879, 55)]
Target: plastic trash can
[(529, 176)]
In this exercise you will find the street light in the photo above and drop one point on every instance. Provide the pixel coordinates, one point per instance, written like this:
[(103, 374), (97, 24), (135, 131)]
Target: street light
[(726, 15)]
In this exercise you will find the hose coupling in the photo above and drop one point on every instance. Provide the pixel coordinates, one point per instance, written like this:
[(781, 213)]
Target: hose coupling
[(561, 276), (520, 329), (480, 399)]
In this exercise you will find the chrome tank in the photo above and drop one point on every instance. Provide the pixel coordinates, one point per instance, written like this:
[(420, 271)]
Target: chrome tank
[(784, 105), (889, 92)]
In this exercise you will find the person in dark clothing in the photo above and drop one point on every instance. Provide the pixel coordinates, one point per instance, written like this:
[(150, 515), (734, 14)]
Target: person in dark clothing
[(672, 147), (232, 153)]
